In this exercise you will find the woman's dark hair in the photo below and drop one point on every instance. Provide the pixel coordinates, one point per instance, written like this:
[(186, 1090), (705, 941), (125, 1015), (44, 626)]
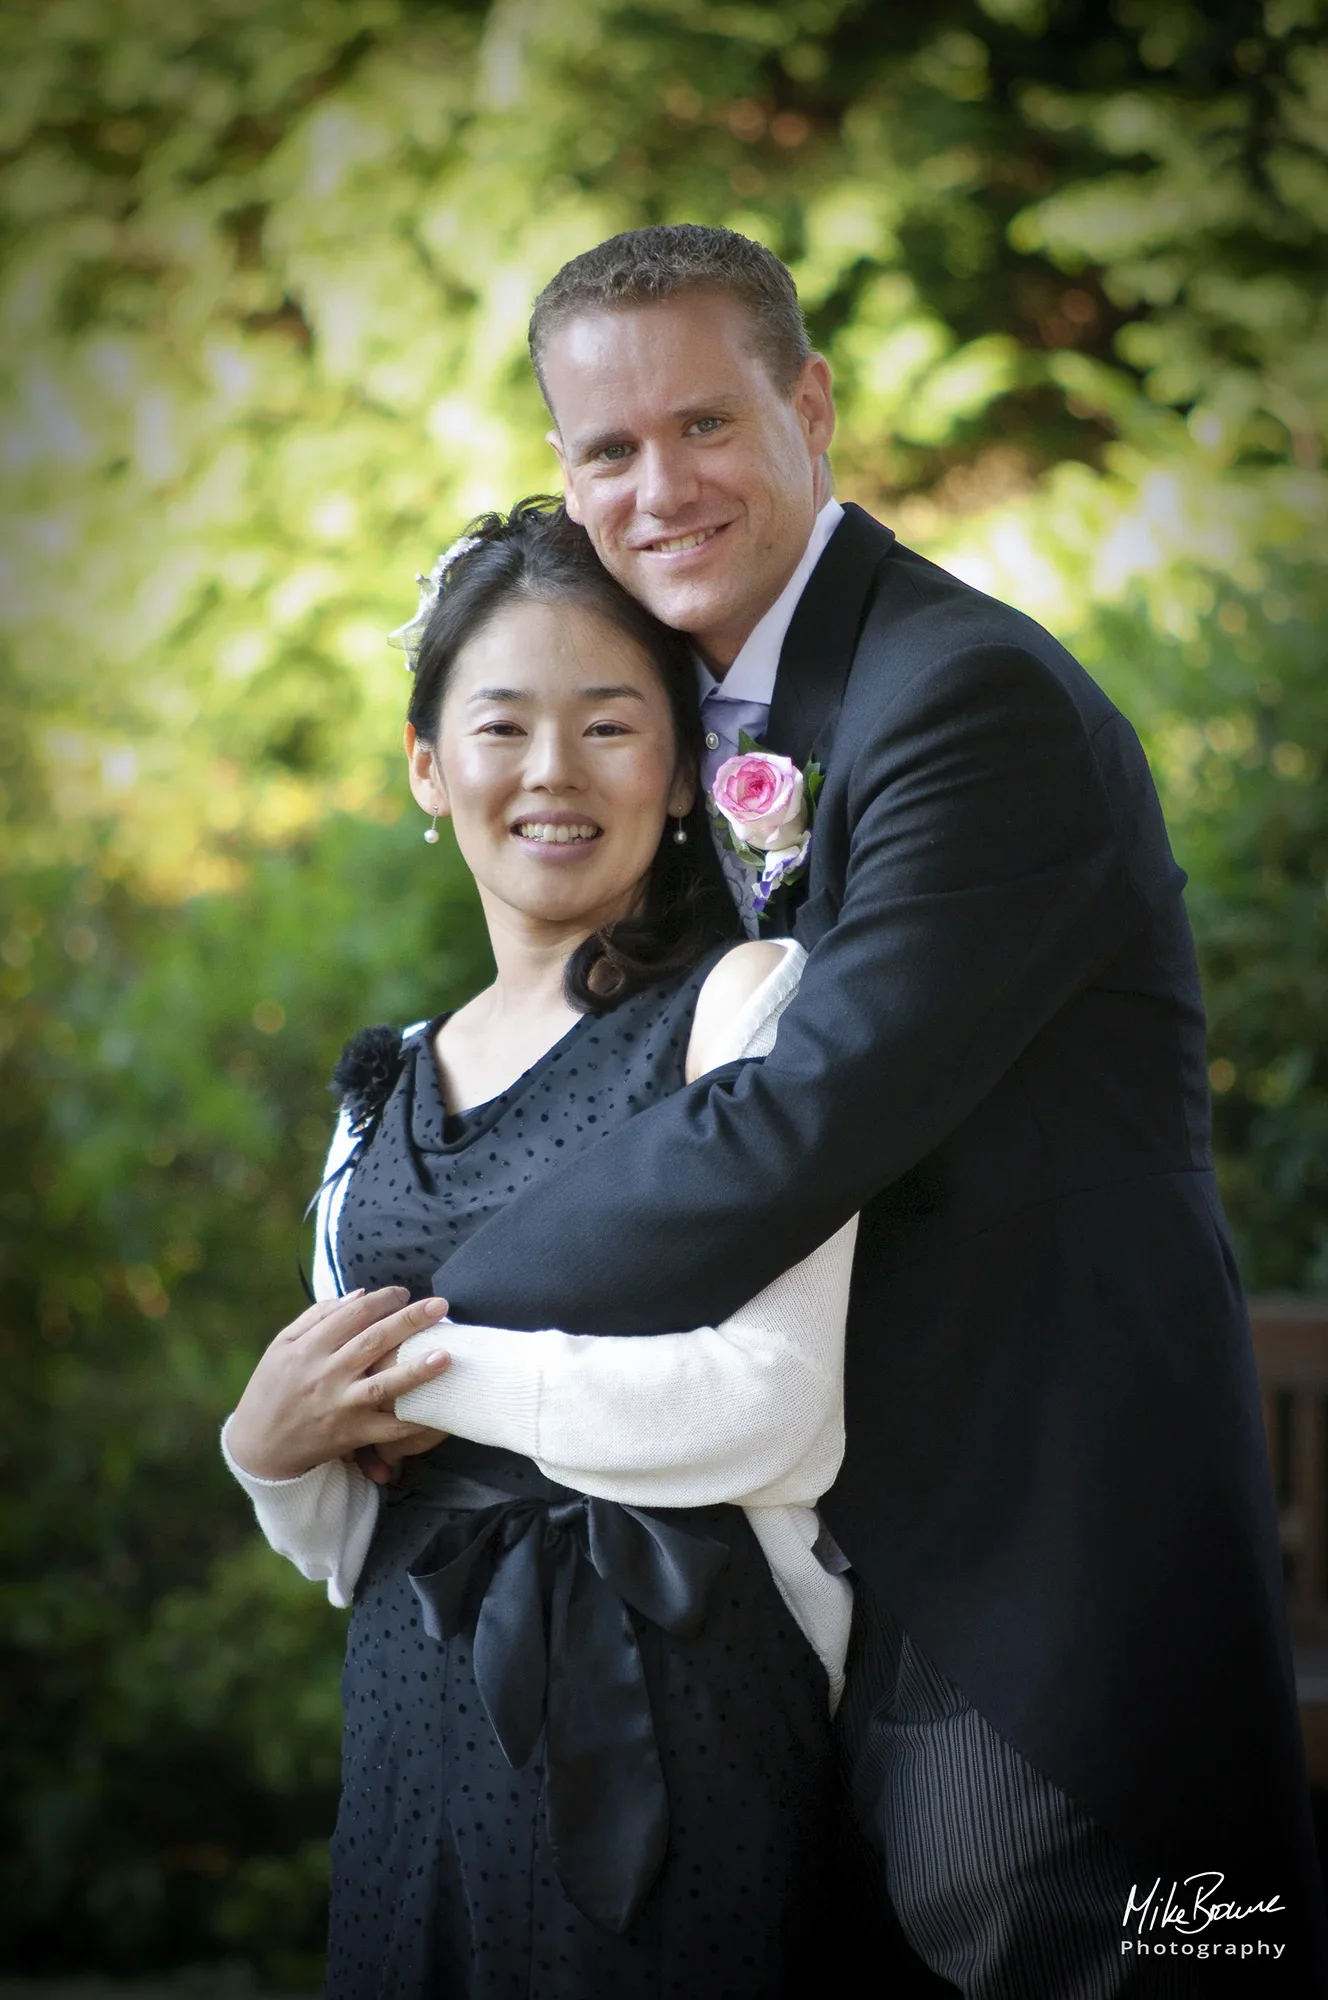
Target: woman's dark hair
[(537, 553)]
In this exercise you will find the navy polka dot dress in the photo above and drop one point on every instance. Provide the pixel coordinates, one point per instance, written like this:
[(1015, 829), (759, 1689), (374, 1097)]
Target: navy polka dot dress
[(448, 1861)]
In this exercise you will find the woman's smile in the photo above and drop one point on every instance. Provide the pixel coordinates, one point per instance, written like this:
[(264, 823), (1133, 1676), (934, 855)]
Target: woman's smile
[(557, 836)]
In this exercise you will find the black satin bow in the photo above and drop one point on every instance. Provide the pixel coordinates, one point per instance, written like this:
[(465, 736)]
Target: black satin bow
[(546, 1584)]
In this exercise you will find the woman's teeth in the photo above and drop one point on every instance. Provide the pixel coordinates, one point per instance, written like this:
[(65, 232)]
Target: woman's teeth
[(536, 829)]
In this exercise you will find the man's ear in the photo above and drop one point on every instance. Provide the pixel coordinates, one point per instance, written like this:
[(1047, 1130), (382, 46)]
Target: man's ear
[(426, 780), (569, 495), (814, 401)]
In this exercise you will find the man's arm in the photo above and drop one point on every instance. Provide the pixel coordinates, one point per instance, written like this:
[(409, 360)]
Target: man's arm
[(749, 1406), (984, 887)]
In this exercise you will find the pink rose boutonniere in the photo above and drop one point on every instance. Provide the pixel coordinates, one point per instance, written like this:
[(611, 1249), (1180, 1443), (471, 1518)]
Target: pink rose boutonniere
[(763, 805)]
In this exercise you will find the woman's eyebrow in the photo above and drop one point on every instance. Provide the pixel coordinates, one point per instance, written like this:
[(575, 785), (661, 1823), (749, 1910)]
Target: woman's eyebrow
[(605, 693)]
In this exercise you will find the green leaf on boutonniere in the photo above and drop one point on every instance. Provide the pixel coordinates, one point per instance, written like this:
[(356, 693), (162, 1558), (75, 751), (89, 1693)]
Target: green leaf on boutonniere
[(813, 779), (753, 856), (747, 743)]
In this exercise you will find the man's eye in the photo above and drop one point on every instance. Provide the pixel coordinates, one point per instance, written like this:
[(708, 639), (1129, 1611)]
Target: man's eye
[(614, 454), (708, 425)]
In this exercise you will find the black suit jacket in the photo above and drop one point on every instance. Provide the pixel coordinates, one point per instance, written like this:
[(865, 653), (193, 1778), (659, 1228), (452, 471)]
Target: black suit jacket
[(1055, 1476)]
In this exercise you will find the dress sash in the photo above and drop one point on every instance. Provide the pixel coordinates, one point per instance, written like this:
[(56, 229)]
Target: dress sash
[(547, 1583)]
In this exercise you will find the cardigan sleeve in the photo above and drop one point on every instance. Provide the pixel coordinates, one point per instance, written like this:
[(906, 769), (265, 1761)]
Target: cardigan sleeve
[(751, 1410), (323, 1521)]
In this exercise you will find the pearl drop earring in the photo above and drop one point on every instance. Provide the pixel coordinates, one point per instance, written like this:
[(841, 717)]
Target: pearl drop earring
[(680, 833), (431, 832)]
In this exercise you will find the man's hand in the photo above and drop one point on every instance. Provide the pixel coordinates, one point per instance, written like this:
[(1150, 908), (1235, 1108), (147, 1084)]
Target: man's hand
[(326, 1387)]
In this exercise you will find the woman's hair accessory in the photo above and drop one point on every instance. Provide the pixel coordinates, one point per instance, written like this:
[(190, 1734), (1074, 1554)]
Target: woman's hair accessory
[(410, 637), (366, 1074)]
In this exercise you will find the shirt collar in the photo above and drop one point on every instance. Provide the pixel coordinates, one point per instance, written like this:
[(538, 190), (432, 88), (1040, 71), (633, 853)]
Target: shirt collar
[(752, 675)]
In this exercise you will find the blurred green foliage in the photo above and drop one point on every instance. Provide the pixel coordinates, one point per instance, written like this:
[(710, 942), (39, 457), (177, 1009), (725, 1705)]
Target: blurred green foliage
[(267, 269)]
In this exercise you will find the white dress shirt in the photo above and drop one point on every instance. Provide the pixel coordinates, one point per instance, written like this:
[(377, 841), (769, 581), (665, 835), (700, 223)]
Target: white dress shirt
[(751, 678), (741, 701)]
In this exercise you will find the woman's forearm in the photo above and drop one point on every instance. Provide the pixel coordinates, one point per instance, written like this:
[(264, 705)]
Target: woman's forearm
[(685, 1419)]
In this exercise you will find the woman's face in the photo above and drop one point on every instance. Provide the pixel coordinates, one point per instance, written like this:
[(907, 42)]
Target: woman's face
[(557, 761)]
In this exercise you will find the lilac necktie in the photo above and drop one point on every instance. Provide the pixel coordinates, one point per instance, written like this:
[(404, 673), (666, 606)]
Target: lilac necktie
[(722, 717)]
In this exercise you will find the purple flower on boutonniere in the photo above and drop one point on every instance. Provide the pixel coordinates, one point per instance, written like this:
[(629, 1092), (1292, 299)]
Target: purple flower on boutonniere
[(763, 805)]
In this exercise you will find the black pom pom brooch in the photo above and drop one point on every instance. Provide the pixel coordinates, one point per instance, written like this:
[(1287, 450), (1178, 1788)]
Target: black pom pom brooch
[(366, 1072)]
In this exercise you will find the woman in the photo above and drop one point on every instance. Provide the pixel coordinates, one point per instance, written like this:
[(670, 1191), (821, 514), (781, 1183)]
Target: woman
[(587, 1738)]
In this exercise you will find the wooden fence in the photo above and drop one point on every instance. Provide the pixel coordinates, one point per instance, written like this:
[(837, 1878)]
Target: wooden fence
[(1291, 1353)]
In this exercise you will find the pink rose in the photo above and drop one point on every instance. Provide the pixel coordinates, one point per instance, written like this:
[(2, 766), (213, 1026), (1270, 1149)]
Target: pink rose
[(761, 796)]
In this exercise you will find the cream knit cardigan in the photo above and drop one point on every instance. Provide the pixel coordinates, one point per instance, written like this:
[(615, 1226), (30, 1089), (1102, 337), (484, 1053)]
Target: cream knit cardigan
[(749, 1412)]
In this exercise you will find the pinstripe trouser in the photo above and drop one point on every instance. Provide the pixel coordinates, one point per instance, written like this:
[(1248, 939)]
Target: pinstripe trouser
[(1000, 1883)]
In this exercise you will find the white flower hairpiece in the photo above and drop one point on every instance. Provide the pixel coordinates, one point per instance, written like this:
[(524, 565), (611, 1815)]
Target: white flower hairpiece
[(409, 637)]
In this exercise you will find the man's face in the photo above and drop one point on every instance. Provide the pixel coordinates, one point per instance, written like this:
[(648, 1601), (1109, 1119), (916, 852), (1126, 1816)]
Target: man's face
[(696, 480)]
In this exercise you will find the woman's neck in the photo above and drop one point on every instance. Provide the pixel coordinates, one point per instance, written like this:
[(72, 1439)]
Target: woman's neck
[(528, 982), (494, 1038), (530, 959)]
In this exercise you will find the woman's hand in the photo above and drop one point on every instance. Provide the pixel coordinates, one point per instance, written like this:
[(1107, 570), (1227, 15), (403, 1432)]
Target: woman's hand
[(321, 1392), (382, 1463)]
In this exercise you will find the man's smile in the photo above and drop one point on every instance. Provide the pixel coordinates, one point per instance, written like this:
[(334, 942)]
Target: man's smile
[(680, 545)]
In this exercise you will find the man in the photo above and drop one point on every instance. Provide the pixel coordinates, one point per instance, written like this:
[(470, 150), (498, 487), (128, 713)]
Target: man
[(1071, 1679)]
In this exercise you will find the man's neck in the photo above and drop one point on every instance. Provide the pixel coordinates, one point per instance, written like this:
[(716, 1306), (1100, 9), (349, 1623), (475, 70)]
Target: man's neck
[(717, 654), (719, 651)]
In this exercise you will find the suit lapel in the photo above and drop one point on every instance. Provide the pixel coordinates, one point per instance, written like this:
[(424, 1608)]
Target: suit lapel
[(822, 635), (815, 659)]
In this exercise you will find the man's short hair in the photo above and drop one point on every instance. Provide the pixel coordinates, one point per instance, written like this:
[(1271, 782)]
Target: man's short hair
[(643, 265)]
